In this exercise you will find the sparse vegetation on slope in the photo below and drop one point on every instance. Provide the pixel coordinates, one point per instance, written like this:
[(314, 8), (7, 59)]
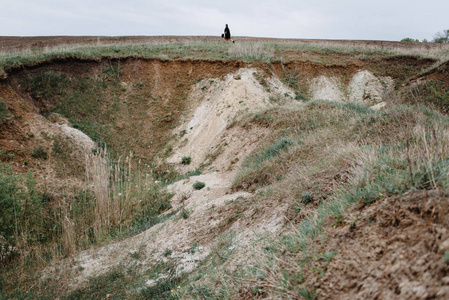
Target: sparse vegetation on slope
[(92, 104), (410, 158), (311, 168), (118, 200)]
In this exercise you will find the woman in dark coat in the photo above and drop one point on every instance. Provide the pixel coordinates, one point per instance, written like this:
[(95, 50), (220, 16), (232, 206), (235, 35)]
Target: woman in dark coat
[(227, 33)]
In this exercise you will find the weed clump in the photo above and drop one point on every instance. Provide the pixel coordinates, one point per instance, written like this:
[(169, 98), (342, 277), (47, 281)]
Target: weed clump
[(300, 97), (185, 214), (183, 133), (40, 153), (306, 198), (186, 160), (198, 185)]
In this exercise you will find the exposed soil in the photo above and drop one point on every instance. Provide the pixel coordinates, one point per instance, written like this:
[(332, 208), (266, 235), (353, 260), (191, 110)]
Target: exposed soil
[(154, 98), (154, 94), (393, 249)]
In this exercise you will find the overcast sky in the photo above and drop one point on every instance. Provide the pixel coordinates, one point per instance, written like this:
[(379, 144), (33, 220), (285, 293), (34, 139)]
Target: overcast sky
[(315, 19)]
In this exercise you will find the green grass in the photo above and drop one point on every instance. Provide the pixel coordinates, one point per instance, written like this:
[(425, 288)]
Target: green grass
[(84, 101), (344, 159), (319, 157), (127, 282), (257, 169), (4, 112), (186, 160), (40, 153), (38, 228), (385, 165), (432, 93), (25, 221), (198, 185), (112, 285), (201, 50)]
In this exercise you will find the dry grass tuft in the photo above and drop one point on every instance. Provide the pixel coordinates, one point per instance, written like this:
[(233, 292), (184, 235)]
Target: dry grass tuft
[(257, 51), (117, 196)]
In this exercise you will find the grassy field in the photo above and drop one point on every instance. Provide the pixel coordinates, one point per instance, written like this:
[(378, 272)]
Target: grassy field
[(210, 51)]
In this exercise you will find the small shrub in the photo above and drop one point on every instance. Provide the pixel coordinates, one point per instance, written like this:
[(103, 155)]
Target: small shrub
[(167, 253), (410, 40), (135, 255), (300, 97), (185, 214), (186, 160), (39, 153), (198, 185), (194, 248), (306, 198)]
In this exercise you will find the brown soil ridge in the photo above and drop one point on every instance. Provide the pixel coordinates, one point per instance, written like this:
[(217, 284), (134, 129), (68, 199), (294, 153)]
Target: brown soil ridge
[(394, 249)]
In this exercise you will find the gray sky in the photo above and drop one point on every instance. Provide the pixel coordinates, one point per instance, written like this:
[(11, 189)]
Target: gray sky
[(314, 19)]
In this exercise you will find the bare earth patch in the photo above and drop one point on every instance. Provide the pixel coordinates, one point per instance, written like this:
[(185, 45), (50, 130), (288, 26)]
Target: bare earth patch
[(394, 249)]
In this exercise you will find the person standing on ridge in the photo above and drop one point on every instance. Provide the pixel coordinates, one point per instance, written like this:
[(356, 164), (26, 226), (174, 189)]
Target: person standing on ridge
[(227, 33)]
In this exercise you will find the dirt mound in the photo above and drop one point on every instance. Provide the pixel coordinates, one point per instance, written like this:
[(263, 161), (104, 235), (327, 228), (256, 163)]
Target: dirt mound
[(395, 249), (364, 88), (46, 145)]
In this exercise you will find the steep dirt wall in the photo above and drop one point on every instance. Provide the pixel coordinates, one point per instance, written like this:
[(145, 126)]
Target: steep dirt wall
[(155, 87), (135, 104), (129, 105)]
